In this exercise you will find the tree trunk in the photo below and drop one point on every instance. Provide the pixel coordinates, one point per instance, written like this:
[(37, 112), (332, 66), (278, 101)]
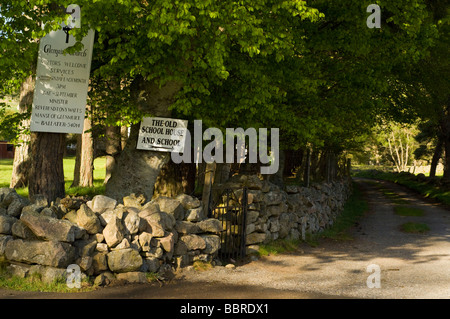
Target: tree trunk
[(47, 173), (436, 157), (77, 168), (175, 179), (113, 148), (84, 164), (22, 160), (136, 171), (207, 186)]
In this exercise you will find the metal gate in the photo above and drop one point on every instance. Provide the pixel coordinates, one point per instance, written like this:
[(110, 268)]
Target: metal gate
[(231, 209)]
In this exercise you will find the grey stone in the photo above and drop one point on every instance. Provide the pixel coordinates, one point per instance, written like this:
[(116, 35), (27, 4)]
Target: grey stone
[(48, 253), (132, 222), (212, 244), (106, 217), (134, 200), (273, 198), (114, 232), (87, 219), (132, 277), (170, 206), (15, 208), (85, 247), (210, 225), (101, 204), (3, 241), (255, 238), (167, 242), (49, 211), (188, 202), (194, 214), (18, 270), (145, 240), (252, 216), (84, 262), (185, 227), (71, 216), (123, 244), (193, 242), (4, 191), (101, 247), (49, 228), (20, 230), (6, 224), (124, 260), (157, 223), (99, 262)]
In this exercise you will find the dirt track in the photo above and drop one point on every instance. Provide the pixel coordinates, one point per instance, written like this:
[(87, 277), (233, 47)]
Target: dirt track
[(412, 265)]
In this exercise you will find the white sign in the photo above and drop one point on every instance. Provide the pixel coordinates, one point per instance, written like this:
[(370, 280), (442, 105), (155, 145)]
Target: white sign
[(59, 102), (162, 134)]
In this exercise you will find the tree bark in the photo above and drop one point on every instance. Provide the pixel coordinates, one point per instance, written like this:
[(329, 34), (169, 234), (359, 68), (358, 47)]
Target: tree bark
[(136, 171), (84, 164), (175, 179), (22, 160), (436, 156), (113, 148), (47, 173), (447, 160)]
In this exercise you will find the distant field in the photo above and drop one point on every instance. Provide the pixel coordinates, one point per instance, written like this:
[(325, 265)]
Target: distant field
[(69, 165)]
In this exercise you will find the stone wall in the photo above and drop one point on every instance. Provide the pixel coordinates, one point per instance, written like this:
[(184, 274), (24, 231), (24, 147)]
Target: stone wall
[(105, 239), (289, 213)]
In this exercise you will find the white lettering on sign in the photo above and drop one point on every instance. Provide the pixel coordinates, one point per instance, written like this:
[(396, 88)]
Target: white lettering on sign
[(62, 80), (162, 134)]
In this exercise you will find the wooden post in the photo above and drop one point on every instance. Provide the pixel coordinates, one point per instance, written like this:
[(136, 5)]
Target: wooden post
[(308, 167), (349, 166), (209, 180)]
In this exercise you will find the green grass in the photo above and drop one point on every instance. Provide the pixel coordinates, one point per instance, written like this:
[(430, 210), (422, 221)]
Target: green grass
[(354, 209), (415, 228), (408, 211), (278, 246), (34, 283), (69, 165)]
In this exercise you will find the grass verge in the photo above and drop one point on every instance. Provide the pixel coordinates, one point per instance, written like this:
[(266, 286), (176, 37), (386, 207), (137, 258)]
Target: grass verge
[(415, 228), (355, 207), (408, 211), (34, 282), (426, 187), (278, 246)]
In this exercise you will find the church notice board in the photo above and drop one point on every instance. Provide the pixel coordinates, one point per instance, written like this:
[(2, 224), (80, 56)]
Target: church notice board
[(59, 102)]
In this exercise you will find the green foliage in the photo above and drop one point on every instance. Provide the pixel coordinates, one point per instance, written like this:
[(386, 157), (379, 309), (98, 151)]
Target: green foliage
[(312, 69)]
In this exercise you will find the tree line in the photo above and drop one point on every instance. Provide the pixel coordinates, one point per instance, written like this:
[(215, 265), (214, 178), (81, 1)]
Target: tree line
[(312, 69)]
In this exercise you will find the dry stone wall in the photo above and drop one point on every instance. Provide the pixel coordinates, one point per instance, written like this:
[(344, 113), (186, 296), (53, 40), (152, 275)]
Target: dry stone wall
[(104, 238), (107, 239), (289, 213)]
